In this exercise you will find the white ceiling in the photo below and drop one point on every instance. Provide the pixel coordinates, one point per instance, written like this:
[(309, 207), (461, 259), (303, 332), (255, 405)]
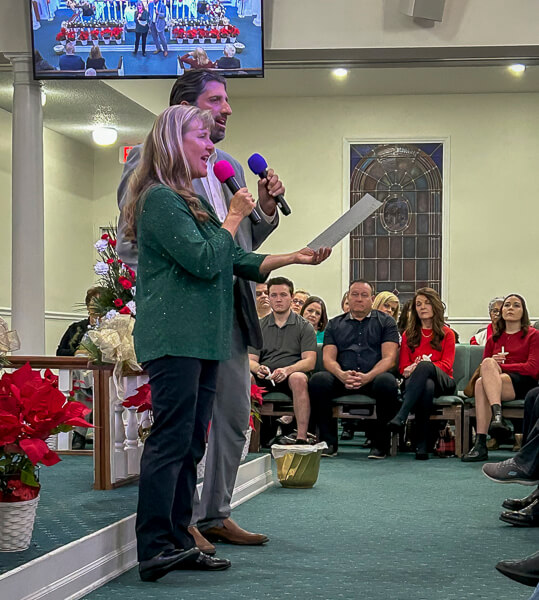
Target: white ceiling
[(74, 107)]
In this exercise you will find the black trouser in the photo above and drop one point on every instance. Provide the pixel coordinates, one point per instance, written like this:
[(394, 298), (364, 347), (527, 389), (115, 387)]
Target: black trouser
[(183, 390), (137, 40), (426, 382), (324, 386), (531, 413)]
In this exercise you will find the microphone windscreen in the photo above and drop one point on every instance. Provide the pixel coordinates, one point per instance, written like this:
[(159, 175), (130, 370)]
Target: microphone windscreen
[(223, 170), (257, 164)]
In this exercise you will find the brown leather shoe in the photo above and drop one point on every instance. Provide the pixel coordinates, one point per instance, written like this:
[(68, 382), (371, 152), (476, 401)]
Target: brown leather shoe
[(165, 53), (232, 533), (201, 542)]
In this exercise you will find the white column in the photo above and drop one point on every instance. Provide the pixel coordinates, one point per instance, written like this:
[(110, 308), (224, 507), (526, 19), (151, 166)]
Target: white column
[(28, 261)]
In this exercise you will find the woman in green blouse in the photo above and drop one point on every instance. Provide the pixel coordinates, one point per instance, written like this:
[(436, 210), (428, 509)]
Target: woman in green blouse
[(187, 262)]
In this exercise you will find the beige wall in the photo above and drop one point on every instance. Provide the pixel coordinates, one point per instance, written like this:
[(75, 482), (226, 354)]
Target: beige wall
[(5, 208), (493, 212)]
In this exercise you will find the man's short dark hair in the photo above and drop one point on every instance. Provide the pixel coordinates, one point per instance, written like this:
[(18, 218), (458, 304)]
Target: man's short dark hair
[(362, 281), (191, 84), (281, 281)]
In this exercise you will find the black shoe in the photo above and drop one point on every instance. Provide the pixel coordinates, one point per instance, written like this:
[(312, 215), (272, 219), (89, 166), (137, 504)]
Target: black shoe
[(164, 562), (498, 429), (524, 571), (377, 454), (527, 517), (477, 454), (330, 451), (347, 434), (396, 424), (519, 504), (78, 442), (508, 471), (144, 54), (203, 562)]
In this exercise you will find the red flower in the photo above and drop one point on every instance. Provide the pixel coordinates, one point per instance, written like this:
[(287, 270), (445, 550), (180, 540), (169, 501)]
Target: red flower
[(256, 393), (105, 236), (142, 399), (38, 451), (118, 302), (125, 283), (10, 427), (125, 311), (110, 261), (112, 243), (21, 491)]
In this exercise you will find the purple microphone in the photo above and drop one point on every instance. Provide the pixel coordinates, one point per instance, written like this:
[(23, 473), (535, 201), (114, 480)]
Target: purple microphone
[(259, 166), (224, 172)]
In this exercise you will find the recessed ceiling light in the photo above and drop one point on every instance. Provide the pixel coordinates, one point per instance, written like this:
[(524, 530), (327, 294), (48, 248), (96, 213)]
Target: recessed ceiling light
[(340, 73), (517, 68), (104, 136)]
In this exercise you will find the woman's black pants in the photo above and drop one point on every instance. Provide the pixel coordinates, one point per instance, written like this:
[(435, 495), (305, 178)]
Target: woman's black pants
[(426, 382), (137, 40), (183, 390)]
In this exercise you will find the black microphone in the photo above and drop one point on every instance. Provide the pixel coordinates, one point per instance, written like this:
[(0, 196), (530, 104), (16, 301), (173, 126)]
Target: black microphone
[(259, 166), (224, 172)]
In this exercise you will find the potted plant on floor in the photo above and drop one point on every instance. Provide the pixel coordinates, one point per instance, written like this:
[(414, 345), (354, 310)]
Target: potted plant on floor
[(32, 408), (84, 36), (61, 36)]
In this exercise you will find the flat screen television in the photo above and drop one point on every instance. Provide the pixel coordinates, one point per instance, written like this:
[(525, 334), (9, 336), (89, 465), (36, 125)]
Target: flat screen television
[(135, 39)]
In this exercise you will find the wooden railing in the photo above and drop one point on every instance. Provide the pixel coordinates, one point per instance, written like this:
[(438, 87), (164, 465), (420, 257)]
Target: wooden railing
[(117, 446)]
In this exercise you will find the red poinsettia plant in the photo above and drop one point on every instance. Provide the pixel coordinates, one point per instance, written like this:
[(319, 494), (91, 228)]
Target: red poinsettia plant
[(256, 403), (61, 35), (233, 31), (84, 35), (71, 36), (214, 33), (95, 33), (179, 33), (116, 33), (192, 33), (32, 408), (106, 33), (142, 400)]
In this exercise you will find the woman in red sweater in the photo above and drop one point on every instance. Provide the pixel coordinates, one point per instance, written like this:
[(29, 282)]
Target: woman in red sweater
[(426, 362), (509, 370)]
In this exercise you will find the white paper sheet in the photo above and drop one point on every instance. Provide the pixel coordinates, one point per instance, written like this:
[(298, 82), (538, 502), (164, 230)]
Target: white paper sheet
[(345, 223)]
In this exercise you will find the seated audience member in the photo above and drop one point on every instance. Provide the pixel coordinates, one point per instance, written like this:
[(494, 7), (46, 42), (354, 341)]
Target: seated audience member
[(345, 307), (314, 310), (263, 307), (228, 61), (95, 60), (198, 59), (90, 73), (404, 316), (360, 347), (288, 353), (69, 345), (298, 300), (75, 332), (485, 333), (40, 63), (426, 362), (509, 370), (523, 468), (70, 62), (387, 302)]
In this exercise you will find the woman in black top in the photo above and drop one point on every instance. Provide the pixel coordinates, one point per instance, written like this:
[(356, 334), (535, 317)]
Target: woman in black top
[(95, 61), (141, 27), (40, 63)]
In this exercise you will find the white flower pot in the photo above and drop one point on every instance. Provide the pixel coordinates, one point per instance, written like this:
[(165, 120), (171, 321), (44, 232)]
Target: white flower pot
[(232, 40), (63, 42), (17, 524), (106, 40), (118, 41), (95, 42), (83, 42), (213, 40), (190, 40)]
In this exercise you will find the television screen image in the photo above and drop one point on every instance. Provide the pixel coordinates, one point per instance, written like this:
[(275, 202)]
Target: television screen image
[(146, 38)]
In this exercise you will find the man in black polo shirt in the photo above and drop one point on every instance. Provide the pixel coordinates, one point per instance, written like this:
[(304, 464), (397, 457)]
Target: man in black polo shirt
[(360, 347), (288, 352)]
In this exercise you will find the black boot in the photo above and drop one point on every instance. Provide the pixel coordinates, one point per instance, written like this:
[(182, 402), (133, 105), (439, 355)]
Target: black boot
[(479, 451), (524, 571), (498, 429), (519, 504)]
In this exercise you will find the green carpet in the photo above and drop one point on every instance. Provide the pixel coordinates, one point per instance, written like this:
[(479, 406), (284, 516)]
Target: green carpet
[(69, 508), (397, 529)]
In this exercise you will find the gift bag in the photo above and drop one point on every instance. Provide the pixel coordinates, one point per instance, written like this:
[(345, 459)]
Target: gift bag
[(445, 445)]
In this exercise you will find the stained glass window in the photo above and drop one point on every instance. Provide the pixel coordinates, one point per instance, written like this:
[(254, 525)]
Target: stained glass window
[(399, 247)]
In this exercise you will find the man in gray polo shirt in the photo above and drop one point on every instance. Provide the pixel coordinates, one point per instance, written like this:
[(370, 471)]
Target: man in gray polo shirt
[(288, 352)]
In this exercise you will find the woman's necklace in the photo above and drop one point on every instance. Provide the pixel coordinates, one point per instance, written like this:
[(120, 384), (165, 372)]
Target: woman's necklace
[(426, 336)]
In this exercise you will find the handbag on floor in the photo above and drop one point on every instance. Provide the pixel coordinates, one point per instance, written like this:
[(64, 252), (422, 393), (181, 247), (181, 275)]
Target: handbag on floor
[(445, 444)]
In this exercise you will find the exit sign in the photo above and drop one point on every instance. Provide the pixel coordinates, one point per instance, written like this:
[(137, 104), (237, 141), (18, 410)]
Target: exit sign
[(124, 153)]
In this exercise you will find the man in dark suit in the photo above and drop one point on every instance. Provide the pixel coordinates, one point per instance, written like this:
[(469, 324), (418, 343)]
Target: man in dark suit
[(157, 11), (69, 61), (231, 409)]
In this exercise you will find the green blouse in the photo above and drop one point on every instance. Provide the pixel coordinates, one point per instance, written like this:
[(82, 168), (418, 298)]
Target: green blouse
[(185, 274)]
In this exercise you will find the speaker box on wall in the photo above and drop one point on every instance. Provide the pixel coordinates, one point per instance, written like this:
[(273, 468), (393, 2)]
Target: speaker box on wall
[(433, 10)]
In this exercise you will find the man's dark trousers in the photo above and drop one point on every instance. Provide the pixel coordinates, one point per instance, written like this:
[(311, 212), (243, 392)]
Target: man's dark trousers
[(183, 390), (324, 386)]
